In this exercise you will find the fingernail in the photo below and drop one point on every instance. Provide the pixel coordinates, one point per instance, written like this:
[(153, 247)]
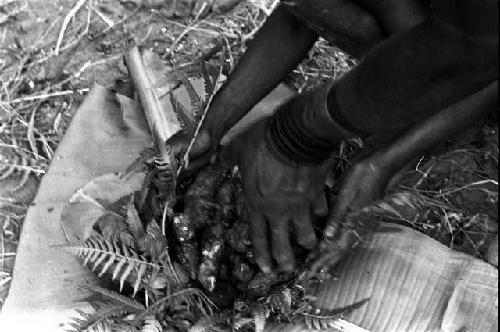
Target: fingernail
[(330, 231), (265, 268), (288, 267)]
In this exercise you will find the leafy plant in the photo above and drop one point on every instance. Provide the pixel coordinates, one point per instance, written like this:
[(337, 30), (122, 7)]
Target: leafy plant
[(123, 262), (128, 246)]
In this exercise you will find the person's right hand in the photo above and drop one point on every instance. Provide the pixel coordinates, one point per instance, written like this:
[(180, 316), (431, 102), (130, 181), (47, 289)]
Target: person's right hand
[(280, 197)]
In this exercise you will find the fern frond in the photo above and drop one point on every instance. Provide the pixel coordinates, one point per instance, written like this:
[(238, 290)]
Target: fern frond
[(187, 123), (196, 102), (240, 322), (166, 180), (205, 324), (102, 256), (209, 83), (100, 320), (137, 165), (260, 314), (141, 273), (151, 325), (201, 118), (193, 297), (153, 242), (134, 223), (17, 173), (76, 322), (324, 319), (280, 301), (124, 301)]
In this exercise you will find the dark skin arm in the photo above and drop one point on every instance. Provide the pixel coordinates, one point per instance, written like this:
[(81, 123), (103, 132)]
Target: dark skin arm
[(410, 76), (278, 47), (366, 181), (414, 74), (427, 67)]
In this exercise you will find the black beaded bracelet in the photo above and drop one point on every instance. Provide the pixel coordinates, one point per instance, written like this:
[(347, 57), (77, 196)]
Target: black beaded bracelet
[(288, 138), (306, 129)]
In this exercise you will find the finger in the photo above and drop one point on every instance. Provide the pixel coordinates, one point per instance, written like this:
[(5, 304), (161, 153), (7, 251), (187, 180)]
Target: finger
[(258, 230), (326, 261), (177, 144), (348, 238), (228, 154), (304, 231), (201, 145), (320, 206), (338, 213), (194, 165), (281, 247)]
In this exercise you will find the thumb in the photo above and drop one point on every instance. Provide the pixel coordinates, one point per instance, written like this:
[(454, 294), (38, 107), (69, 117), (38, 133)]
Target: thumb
[(202, 144), (227, 154), (338, 212)]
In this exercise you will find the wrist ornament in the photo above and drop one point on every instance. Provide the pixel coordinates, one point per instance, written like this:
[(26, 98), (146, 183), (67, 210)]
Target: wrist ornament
[(303, 130)]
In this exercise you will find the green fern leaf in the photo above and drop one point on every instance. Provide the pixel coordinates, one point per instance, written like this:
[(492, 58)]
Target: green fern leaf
[(209, 82), (205, 324), (141, 272), (131, 305), (153, 242), (109, 262), (187, 123), (260, 315), (240, 322), (129, 267), (134, 223), (102, 256), (187, 297), (101, 320), (280, 301), (196, 102), (137, 165), (151, 325)]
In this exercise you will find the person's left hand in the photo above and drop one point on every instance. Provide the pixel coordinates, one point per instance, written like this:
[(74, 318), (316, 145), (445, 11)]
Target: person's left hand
[(280, 196), (364, 183)]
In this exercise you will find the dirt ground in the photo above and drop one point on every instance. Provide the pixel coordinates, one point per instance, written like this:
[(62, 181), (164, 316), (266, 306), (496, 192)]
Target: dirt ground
[(49, 59)]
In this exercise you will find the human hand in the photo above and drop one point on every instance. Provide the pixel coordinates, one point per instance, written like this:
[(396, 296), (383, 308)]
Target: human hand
[(201, 151), (364, 183), (279, 196)]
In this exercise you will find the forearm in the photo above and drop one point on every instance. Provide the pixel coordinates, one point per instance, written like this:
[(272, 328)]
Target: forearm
[(277, 48), (408, 78), (413, 75), (433, 130)]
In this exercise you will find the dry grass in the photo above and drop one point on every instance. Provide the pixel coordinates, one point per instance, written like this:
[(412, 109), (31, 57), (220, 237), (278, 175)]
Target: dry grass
[(49, 61)]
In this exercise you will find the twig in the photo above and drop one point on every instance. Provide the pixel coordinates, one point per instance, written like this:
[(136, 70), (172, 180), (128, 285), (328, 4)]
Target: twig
[(467, 186), (196, 132), (47, 95), (109, 22), (68, 17), (31, 130), (30, 169), (187, 30)]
